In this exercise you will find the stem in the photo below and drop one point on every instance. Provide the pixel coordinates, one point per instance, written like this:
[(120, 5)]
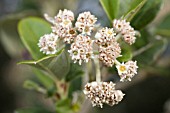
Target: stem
[(118, 37), (117, 62), (97, 66), (86, 70)]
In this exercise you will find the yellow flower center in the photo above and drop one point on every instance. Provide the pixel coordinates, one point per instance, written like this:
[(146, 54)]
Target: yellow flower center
[(122, 68), (109, 32), (66, 22)]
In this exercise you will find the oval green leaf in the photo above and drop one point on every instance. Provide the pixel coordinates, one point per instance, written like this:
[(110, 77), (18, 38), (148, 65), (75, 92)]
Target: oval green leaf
[(30, 30), (111, 8), (146, 14)]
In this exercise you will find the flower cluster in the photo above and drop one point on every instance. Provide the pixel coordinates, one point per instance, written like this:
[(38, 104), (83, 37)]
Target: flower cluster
[(127, 70), (83, 45), (48, 43), (85, 23), (109, 49), (124, 28), (103, 92), (81, 50)]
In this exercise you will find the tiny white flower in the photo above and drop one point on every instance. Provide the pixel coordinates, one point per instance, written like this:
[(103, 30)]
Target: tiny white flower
[(122, 68), (127, 71)]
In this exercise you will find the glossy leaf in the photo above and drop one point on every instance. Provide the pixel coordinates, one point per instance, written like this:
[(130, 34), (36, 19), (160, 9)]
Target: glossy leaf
[(30, 31), (135, 6), (111, 8), (164, 27), (146, 14), (56, 65), (148, 54)]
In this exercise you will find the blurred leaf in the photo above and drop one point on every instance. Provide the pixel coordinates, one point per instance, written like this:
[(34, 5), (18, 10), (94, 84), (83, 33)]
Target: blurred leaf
[(64, 106), (30, 30), (135, 7), (147, 13), (111, 8), (9, 36), (44, 78), (29, 5), (125, 52), (31, 110), (75, 85), (56, 65), (33, 86), (164, 27), (75, 71), (148, 54), (143, 40)]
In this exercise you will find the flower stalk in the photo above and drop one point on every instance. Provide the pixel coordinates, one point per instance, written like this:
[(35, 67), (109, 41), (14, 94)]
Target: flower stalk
[(97, 67)]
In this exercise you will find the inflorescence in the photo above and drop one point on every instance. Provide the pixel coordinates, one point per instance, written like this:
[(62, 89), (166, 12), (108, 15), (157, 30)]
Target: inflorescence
[(82, 34)]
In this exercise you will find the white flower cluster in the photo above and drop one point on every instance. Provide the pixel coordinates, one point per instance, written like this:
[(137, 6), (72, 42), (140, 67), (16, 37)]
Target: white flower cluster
[(109, 49), (85, 23), (103, 92), (128, 32), (127, 70), (79, 35), (48, 43), (81, 50)]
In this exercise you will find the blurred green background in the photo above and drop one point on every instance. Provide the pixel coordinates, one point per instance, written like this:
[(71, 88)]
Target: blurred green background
[(149, 92)]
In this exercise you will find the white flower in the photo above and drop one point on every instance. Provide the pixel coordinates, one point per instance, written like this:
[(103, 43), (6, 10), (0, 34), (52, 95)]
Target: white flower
[(81, 50), (122, 68), (85, 23), (102, 92), (124, 28), (105, 36), (127, 71), (109, 53), (67, 34), (64, 18), (48, 43)]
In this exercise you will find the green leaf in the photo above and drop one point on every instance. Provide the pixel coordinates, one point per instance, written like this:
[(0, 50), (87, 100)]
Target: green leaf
[(146, 14), (143, 40), (164, 27), (111, 8), (31, 110), (33, 86), (75, 85), (9, 36), (75, 71), (44, 78), (125, 52), (64, 106), (135, 6), (56, 65), (148, 54), (30, 30)]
